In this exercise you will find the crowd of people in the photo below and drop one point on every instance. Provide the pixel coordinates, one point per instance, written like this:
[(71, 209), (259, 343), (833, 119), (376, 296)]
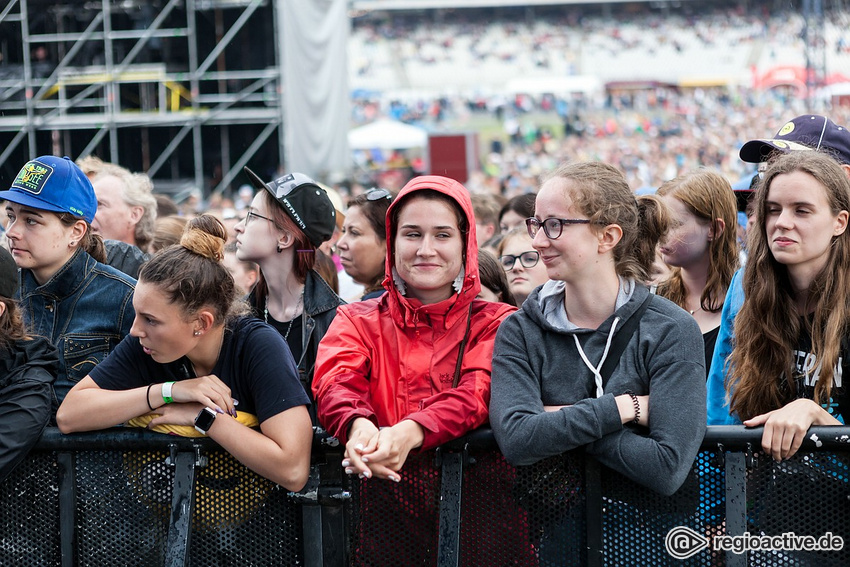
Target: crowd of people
[(650, 134), (390, 51), (652, 127), (401, 321)]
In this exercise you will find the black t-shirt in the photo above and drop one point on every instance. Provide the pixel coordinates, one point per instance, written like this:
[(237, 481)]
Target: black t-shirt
[(255, 363), (291, 331), (808, 371), (709, 339)]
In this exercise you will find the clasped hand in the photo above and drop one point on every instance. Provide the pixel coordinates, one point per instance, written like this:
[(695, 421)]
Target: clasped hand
[(380, 452)]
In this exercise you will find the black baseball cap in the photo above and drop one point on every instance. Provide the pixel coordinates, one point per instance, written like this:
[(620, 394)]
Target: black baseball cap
[(306, 203), (807, 132)]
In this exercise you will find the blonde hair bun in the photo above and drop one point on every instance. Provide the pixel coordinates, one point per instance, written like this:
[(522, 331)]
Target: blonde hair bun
[(205, 236)]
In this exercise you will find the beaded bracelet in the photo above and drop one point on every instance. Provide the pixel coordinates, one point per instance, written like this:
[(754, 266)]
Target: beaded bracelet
[(634, 398)]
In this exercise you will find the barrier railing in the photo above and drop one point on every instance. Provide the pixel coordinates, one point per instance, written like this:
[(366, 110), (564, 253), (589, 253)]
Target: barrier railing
[(132, 497)]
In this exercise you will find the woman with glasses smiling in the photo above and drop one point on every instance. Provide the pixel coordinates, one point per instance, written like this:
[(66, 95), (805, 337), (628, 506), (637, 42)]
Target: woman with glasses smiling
[(521, 264), (289, 218), (552, 391)]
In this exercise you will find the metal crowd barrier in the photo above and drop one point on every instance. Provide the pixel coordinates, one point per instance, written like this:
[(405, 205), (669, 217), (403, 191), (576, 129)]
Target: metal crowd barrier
[(132, 497)]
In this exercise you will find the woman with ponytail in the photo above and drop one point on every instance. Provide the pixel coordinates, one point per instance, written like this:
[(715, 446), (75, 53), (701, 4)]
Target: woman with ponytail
[(67, 294), (791, 349), (552, 391), (194, 356)]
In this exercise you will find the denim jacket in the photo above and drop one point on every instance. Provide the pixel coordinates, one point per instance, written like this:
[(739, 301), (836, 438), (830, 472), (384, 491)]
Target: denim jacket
[(85, 310)]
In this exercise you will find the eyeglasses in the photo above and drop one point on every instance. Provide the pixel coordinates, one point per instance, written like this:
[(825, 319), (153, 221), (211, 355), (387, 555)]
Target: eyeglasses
[(376, 194), (252, 214), (527, 259), (552, 227)]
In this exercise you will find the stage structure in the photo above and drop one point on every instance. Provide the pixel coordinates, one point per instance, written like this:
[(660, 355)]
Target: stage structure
[(188, 91)]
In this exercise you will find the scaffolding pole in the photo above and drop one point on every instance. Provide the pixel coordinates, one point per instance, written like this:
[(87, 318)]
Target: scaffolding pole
[(80, 104)]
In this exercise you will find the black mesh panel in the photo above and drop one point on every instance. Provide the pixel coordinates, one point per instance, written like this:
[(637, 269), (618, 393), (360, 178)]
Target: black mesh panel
[(396, 524), (530, 515), (636, 520), (29, 516), (123, 507), (808, 494), (241, 518)]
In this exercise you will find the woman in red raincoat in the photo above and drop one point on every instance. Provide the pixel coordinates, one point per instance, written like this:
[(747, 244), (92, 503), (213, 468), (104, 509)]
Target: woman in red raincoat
[(406, 372)]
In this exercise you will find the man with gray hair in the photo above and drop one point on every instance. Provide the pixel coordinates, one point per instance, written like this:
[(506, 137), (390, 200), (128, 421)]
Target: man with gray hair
[(126, 207)]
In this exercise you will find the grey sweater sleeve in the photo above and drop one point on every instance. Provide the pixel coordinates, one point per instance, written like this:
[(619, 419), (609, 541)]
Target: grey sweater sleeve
[(524, 431), (664, 359), (660, 457)]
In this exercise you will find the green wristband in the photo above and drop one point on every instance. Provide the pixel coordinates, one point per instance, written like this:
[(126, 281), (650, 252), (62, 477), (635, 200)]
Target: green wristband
[(166, 392)]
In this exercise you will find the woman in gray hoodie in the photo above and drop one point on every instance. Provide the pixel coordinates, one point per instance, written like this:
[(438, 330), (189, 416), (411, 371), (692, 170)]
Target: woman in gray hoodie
[(647, 419)]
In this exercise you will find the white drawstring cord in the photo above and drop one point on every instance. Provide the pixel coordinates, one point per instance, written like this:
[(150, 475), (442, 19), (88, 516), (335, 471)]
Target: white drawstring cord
[(596, 371)]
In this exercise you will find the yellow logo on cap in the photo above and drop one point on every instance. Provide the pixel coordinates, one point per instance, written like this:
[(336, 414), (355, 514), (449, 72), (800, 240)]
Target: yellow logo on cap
[(31, 175), (787, 129)]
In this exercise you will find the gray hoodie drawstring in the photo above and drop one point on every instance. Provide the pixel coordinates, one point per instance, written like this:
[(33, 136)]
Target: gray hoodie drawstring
[(596, 371)]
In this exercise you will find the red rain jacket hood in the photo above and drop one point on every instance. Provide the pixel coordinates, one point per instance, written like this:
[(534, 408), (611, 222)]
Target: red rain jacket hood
[(393, 358), (457, 304)]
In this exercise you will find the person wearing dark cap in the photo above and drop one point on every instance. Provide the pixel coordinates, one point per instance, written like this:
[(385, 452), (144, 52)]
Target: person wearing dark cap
[(28, 367), (806, 132), (82, 306), (289, 218)]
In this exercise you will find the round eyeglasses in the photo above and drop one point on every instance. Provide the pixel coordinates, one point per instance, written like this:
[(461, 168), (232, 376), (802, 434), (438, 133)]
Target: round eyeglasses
[(552, 227), (526, 259)]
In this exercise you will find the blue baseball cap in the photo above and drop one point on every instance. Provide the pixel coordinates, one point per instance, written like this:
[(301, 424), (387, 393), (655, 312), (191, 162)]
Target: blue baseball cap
[(50, 183)]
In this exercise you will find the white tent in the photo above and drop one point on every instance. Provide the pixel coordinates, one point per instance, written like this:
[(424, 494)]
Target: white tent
[(387, 134)]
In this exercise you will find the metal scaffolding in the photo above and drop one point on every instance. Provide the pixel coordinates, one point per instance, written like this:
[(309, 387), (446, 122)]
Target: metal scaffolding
[(190, 84)]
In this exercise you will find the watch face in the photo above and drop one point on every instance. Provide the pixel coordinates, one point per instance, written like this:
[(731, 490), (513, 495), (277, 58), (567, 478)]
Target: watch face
[(205, 419)]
